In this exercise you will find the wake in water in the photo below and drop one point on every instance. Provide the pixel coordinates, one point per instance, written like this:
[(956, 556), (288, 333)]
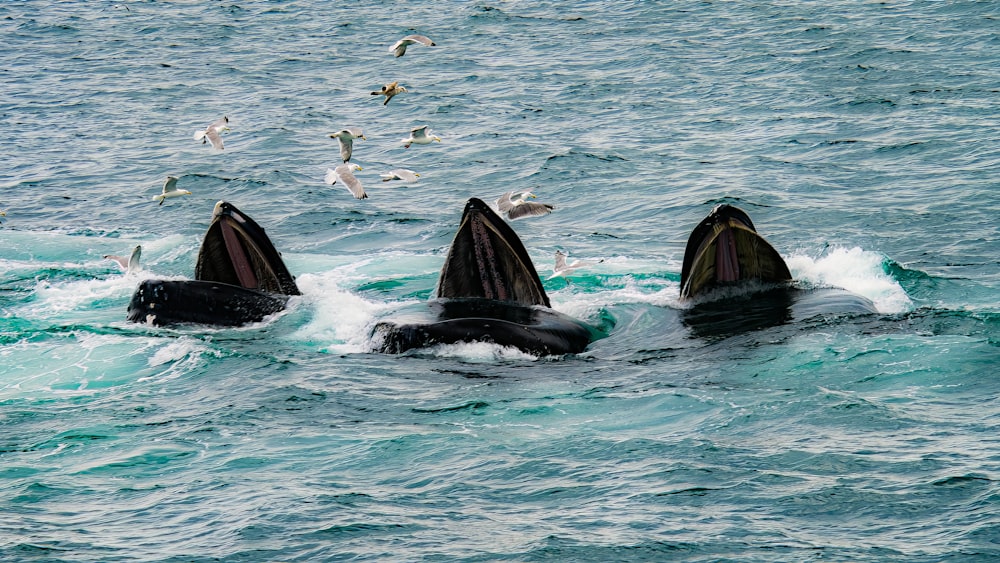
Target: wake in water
[(855, 270), (71, 311), (334, 315)]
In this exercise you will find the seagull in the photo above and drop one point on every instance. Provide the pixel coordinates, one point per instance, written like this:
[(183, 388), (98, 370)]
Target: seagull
[(346, 138), (345, 175), (399, 48), (563, 269), (212, 133), (389, 90), (127, 263), (403, 174), (516, 205), (170, 190), (506, 202), (420, 136)]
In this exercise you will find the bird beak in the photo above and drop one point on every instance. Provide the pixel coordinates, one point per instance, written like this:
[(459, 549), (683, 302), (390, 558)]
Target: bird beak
[(365, 138), (438, 139), (360, 168)]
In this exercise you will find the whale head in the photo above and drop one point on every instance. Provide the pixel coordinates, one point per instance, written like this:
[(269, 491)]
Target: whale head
[(488, 261), (236, 251), (725, 249)]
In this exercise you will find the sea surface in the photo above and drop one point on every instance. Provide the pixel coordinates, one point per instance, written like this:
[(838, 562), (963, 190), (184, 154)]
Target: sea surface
[(863, 138)]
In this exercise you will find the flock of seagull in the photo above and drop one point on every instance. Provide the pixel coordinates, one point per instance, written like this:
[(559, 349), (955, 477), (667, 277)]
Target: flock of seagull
[(512, 205), (344, 173)]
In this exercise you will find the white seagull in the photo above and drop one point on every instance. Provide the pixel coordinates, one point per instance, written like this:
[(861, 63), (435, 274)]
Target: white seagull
[(345, 175), (399, 48), (346, 138), (128, 263), (406, 175), (213, 133), (516, 205), (170, 189), (561, 268), (420, 136)]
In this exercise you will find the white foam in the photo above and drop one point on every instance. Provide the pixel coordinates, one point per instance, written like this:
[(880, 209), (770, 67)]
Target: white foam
[(856, 270), (340, 319), (354, 268), (165, 250), (477, 352), (69, 260), (176, 350), (657, 291), (76, 295)]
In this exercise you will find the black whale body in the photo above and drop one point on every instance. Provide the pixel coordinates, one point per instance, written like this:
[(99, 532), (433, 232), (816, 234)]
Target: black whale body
[(533, 329), (738, 282), (763, 307), (488, 291), (239, 279), (170, 302)]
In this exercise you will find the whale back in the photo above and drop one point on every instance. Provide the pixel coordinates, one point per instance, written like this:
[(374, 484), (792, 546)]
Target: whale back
[(487, 260), (724, 249), (237, 251)]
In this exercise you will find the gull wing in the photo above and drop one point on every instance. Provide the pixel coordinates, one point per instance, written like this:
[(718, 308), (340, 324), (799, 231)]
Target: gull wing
[(529, 209), (350, 181)]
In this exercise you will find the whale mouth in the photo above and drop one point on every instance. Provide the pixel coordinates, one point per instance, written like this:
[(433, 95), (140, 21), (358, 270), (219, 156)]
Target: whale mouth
[(487, 260), (727, 263), (725, 249), (237, 251), (488, 292), (239, 279)]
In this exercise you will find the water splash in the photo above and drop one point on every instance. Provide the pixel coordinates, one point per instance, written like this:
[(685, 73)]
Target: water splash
[(856, 270)]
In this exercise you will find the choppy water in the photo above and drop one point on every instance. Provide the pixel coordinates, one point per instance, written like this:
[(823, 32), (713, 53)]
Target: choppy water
[(861, 137)]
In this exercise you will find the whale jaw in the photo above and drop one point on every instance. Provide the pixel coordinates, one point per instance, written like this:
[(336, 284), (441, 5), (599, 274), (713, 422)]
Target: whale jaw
[(488, 292), (239, 279), (725, 249), (236, 251), (487, 260), (170, 302)]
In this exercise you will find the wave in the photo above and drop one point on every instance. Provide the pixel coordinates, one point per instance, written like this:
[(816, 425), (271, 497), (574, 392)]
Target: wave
[(856, 270)]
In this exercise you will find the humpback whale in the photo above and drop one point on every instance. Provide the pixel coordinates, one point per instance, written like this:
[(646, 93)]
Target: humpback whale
[(488, 291), (725, 250), (239, 278)]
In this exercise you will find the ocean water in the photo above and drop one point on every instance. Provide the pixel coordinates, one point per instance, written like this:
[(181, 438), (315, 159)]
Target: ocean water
[(863, 138)]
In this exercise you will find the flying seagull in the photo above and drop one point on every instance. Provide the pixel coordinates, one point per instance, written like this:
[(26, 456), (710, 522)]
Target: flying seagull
[(403, 174), (420, 136), (213, 133), (399, 48), (345, 175), (128, 263), (515, 205), (346, 138), (561, 268), (170, 189), (389, 90)]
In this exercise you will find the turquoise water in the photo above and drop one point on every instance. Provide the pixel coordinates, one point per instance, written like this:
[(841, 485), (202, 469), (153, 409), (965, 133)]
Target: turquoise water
[(862, 138)]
